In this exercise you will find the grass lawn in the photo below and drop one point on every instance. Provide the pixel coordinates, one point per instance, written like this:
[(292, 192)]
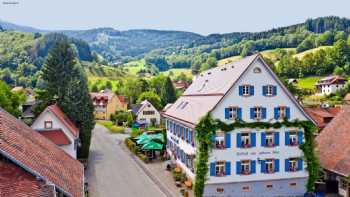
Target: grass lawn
[(308, 82), (177, 71), (134, 67), (111, 127), (302, 54)]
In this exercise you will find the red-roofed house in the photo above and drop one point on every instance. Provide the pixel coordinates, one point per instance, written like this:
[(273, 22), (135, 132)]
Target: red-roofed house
[(322, 116), (334, 151), (331, 84), (106, 103), (56, 126), (31, 165)]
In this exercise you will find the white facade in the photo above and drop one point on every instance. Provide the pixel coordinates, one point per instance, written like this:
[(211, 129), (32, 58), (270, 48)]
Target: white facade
[(39, 124), (148, 113), (230, 158), (331, 89)]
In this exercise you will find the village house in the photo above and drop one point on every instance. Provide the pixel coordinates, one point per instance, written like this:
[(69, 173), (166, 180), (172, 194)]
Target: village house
[(181, 85), (333, 151), (247, 161), (53, 124), (322, 115), (107, 103), (330, 84), (27, 107), (31, 165), (146, 113)]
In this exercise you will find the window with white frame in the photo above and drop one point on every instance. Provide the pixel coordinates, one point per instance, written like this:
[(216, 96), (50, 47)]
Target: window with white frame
[(293, 138), (293, 165), (220, 140), (220, 168), (281, 112), (257, 113), (245, 167), (246, 90), (269, 165), (245, 140), (48, 124), (269, 139), (233, 113), (269, 90)]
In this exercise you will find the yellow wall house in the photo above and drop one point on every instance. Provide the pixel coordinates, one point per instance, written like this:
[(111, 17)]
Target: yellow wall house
[(107, 103)]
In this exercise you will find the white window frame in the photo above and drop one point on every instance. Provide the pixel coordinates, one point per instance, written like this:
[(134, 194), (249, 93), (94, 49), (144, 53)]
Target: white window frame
[(233, 113), (269, 90), (269, 165), (246, 90), (220, 140), (293, 138), (269, 139), (282, 112), (220, 168), (293, 165), (257, 113), (246, 167), (246, 140)]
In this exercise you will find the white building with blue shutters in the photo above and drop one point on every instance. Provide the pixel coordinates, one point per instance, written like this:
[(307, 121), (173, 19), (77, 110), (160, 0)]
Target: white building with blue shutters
[(246, 161)]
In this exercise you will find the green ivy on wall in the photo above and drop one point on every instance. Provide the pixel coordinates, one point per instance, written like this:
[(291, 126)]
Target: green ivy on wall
[(207, 127)]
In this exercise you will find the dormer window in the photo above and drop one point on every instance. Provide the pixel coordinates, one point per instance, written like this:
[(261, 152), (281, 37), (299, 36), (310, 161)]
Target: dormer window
[(48, 124)]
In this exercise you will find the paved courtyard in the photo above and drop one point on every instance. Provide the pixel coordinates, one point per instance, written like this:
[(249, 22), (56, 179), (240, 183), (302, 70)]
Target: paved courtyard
[(112, 172)]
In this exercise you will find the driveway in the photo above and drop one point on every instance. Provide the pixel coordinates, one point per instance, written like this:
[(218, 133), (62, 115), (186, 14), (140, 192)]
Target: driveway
[(112, 172)]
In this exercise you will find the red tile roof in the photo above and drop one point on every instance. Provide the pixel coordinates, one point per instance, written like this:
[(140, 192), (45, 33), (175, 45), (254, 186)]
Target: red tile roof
[(336, 79), (333, 143), (39, 156), (56, 136), (63, 118), (14, 181), (322, 116)]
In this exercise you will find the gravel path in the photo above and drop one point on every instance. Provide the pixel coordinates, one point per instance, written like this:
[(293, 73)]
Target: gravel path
[(112, 172)]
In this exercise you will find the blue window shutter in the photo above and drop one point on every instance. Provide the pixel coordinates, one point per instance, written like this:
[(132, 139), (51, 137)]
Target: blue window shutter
[(286, 165), (238, 167), (190, 135), (227, 113), (251, 90), (253, 138), (300, 164), (277, 165), (239, 140), (239, 113), (212, 169), (275, 112), (263, 139), (240, 90), (300, 137), (287, 138), (274, 90), (186, 134), (264, 90), (287, 112), (263, 166), (263, 113), (253, 167), (228, 168), (251, 113), (228, 140), (277, 138)]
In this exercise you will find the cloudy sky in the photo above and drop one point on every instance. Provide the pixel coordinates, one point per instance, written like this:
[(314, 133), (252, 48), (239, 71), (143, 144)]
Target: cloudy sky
[(201, 16)]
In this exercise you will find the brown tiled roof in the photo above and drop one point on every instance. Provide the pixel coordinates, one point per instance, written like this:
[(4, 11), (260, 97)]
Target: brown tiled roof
[(322, 116), (38, 155), (14, 181), (63, 118), (333, 143), (336, 79), (56, 136)]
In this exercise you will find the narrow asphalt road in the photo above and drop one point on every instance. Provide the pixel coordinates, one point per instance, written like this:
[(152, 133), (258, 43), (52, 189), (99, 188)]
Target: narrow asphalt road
[(112, 172)]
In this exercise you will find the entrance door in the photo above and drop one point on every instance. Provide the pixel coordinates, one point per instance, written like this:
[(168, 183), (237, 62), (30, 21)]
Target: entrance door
[(332, 186)]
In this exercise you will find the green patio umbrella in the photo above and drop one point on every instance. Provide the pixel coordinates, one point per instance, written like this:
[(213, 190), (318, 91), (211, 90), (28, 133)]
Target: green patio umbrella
[(143, 135), (145, 138), (152, 146)]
